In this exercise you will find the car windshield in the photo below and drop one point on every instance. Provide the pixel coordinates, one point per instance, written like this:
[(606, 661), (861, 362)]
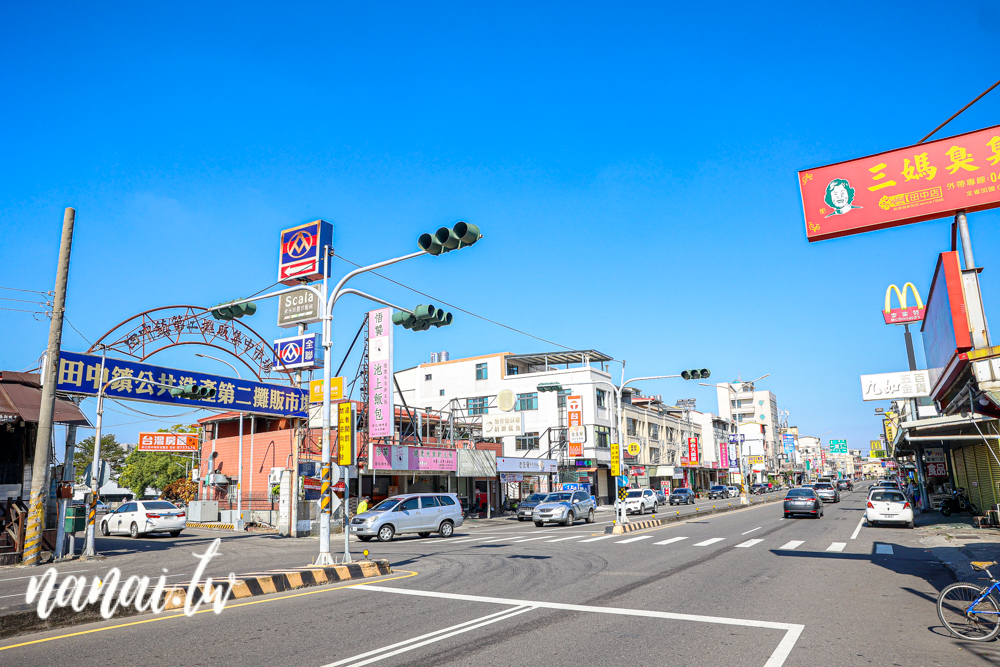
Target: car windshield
[(889, 497), (558, 497), (535, 498), (681, 491), (385, 505), (824, 485), (159, 505), (800, 493), (718, 488), (807, 486), (634, 494)]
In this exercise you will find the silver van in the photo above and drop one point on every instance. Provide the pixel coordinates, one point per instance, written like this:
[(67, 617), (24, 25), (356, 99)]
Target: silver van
[(420, 513)]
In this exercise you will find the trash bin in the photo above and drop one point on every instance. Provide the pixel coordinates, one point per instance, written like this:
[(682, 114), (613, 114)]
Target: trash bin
[(76, 519)]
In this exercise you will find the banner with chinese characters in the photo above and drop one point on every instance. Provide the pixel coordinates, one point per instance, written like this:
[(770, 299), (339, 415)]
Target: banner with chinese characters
[(693, 451), (380, 398), (345, 433), (891, 386), (907, 185), (168, 442), (80, 374)]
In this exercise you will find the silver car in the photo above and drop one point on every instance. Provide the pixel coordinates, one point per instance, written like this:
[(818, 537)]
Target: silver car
[(564, 507), (420, 513)]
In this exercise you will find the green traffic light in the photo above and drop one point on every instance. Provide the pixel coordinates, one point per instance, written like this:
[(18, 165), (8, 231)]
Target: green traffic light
[(233, 311), (447, 239)]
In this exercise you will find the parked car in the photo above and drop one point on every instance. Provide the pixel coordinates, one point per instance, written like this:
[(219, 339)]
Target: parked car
[(640, 501), (661, 499), (889, 506), (526, 507), (802, 501), (564, 507), (682, 496), (143, 517), (733, 491), (827, 492), (420, 513), (757, 489), (718, 491), (845, 485)]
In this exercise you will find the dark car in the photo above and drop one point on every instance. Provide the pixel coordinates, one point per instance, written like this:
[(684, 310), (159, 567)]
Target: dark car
[(757, 489), (682, 496), (803, 501), (826, 492), (845, 485), (718, 491), (526, 507)]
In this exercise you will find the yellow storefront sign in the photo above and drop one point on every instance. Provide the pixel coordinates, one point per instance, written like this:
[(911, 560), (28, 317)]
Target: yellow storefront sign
[(336, 390), (345, 434), (615, 461)]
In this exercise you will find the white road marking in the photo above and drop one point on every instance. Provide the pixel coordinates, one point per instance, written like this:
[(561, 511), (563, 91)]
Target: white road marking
[(776, 659), (707, 542), (837, 546), (634, 539), (857, 530), (38, 575), (531, 538), (749, 543), (571, 537), (794, 544), (670, 541), (883, 549), (750, 531), (455, 630), (602, 537)]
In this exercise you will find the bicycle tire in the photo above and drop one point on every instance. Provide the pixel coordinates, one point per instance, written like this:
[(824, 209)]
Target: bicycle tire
[(952, 604)]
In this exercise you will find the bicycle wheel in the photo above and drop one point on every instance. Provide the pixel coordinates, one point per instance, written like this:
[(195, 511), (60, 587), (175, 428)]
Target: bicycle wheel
[(981, 624)]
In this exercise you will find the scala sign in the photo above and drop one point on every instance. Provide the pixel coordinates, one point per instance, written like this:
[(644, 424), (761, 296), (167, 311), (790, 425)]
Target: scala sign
[(301, 254), (298, 307), (907, 185)]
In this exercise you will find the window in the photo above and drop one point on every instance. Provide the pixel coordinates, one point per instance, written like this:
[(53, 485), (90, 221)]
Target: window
[(446, 500), (527, 401), (481, 373), (561, 399), (526, 442), (442, 393), (408, 505), (429, 501), (602, 436), (477, 406), (512, 370), (580, 496), (733, 403), (654, 431), (632, 426), (427, 377), (602, 398)]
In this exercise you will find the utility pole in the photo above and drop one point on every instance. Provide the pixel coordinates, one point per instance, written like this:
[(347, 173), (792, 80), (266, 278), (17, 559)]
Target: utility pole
[(296, 446), (46, 412)]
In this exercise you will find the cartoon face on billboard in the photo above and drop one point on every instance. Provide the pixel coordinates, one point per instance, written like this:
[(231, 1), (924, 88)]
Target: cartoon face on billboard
[(840, 196)]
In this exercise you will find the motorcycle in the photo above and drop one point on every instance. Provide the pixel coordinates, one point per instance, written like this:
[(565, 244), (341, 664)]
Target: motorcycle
[(958, 503)]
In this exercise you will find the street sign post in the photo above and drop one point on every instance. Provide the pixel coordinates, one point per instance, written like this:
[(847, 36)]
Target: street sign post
[(298, 307), (300, 257), (303, 352)]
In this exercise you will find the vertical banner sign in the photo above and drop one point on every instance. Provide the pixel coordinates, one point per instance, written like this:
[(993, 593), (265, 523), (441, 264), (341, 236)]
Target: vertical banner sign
[(615, 462), (693, 451), (724, 454), (574, 410), (345, 433), (380, 398)]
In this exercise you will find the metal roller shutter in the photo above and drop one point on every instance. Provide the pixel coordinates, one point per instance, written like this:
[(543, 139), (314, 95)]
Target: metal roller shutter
[(958, 459), (987, 498)]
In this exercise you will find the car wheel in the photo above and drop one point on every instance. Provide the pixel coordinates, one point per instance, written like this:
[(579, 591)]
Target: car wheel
[(134, 530), (691, 502), (104, 529), (521, 518), (424, 534), (910, 524), (590, 516), (787, 515), (447, 529), (570, 518), (174, 533), (539, 524), (365, 538), (872, 524), (386, 533)]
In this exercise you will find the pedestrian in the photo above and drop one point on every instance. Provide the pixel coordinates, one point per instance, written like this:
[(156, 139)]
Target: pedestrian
[(363, 505)]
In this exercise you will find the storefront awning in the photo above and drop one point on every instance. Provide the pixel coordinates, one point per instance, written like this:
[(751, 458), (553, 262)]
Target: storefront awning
[(21, 395)]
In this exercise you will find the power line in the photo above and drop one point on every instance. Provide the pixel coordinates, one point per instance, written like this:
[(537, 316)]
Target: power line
[(149, 414), (981, 95), (459, 308), (19, 310), (15, 289), (77, 331), (7, 298)]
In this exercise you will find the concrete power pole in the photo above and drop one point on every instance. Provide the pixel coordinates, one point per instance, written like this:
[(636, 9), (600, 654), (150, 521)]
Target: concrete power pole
[(46, 413)]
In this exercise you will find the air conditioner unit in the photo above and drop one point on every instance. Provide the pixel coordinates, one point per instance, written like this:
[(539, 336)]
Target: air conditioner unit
[(274, 477)]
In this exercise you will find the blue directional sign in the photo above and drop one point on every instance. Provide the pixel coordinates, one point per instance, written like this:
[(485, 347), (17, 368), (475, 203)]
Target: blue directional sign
[(301, 255), (81, 374), (298, 352)]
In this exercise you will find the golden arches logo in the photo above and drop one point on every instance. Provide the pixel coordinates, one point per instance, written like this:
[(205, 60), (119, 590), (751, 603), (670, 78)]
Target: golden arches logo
[(901, 296), (904, 314)]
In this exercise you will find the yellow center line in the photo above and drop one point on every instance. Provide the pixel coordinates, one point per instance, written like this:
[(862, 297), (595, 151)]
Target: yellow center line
[(228, 606)]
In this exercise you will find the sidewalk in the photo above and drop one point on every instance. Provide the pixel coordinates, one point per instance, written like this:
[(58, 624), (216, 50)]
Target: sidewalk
[(956, 541)]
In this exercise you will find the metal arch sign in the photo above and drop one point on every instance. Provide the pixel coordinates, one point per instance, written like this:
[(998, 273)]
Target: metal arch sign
[(903, 315), (300, 256)]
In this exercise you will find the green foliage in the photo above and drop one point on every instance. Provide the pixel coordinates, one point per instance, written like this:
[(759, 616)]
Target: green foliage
[(181, 428), (144, 470), (111, 451)]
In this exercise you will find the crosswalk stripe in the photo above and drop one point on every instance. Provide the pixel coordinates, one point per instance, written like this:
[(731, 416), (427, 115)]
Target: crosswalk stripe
[(530, 539), (883, 549), (670, 541), (794, 544), (602, 537), (634, 539), (571, 537), (709, 541), (749, 543), (837, 546)]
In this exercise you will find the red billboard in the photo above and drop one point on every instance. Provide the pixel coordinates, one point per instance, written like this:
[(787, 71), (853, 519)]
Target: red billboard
[(907, 185), (945, 330)]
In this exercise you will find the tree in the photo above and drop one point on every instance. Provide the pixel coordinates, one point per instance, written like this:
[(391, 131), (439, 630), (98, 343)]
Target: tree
[(181, 490), (144, 470), (111, 451)]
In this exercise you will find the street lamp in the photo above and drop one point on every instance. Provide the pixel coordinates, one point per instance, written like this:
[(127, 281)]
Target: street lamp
[(239, 474)]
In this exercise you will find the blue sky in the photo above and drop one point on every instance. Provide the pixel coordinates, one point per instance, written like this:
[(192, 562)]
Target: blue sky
[(632, 167)]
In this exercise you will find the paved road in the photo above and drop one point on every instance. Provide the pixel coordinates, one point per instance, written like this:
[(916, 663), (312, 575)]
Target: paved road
[(741, 588)]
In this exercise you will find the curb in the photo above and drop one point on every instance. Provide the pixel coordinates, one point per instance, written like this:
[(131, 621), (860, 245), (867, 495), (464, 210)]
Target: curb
[(211, 526), (247, 585), (631, 526)]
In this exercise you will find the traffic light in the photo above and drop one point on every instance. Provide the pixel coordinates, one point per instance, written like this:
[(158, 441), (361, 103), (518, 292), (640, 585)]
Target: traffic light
[(234, 311), (549, 386), (422, 318), (193, 392), (696, 374), (445, 240)]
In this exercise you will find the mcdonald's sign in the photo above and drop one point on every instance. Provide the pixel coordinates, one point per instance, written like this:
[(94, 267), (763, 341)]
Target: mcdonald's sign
[(903, 315)]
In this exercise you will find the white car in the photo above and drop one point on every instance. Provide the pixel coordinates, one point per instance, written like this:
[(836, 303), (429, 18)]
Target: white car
[(639, 501), (142, 517), (889, 506), (733, 491)]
